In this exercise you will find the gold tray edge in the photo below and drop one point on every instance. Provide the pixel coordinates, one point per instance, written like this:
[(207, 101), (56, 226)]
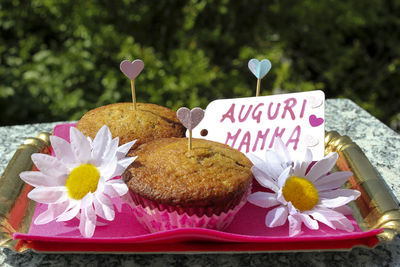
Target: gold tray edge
[(377, 207), (13, 190)]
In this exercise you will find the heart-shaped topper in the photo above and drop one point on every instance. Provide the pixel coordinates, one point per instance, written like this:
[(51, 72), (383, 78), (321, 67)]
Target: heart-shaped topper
[(190, 118), (259, 68), (315, 121), (315, 102), (131, 69)]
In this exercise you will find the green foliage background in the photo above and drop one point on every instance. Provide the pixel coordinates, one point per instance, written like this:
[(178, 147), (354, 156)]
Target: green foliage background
[(59, 58)]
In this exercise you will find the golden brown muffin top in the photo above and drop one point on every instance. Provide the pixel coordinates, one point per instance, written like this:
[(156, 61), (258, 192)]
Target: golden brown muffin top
[(148, 122), (211, 174)]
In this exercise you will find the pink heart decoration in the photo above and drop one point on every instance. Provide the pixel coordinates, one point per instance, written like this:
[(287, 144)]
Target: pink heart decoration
[(131, 69), (314, 121), (190, 118)]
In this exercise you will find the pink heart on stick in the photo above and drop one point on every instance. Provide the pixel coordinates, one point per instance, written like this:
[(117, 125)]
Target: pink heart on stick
[(314, 121), (190, 118), (131, 69)]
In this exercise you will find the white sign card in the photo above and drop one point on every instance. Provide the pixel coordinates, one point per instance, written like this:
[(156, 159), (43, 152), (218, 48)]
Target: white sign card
[(252, 124)]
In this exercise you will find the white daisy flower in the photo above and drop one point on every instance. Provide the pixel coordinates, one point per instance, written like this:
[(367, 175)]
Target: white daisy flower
[(300, 196), (81, 179)]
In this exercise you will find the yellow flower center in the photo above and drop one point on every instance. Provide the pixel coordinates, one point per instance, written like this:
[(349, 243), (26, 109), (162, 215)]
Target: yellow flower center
[(301, 193), (82, 180)]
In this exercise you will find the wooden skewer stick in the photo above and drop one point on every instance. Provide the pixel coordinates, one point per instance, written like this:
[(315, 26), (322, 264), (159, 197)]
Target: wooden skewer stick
[(190, 140), (133, 94), (258, 87)]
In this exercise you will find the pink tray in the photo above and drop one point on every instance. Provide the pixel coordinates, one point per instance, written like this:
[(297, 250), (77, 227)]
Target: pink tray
[(246, 233)]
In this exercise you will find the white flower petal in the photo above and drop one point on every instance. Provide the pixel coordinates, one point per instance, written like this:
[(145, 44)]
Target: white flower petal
[(122, 165), (100, 185), (98, 223), (308, 156), (321, 218), (332, 181), (296, 168), (343, 224), (38, 179), (70, 213), (274, 164), (292, 210), (88, 220), (338, 197), (119, 186), (322, 167), (104, 207), (51, 213), (80, 146), (63, 150), (345, 210), (283, 176), (325, 216), (107, 171), (255, 159), (90, 140), (87, 201), (276, 217), (264, 179), (263, 199), (282, 151), (109, 191), (49, 165), (112, 149), (124, 149), (281, 199), (101, 144), (332, 214), (294, 225), (300, 168), (45, 217), (115, 189), (48, 195), (91, 215), (98, 208), (308, 221), (260, 165), (301, 165)]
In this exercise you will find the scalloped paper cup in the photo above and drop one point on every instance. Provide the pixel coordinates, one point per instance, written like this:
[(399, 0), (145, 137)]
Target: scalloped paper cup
[(154, 219)]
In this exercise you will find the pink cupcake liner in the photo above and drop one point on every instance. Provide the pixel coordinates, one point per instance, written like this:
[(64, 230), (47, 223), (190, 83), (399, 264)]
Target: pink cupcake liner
[(209, 211), (154, 219)]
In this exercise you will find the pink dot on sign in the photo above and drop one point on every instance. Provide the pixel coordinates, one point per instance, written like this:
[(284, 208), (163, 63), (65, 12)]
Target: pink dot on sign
[(315, 121)]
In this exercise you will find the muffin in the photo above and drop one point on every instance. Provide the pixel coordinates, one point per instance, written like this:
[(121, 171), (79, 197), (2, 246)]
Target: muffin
[(148, 122), (173, 187)]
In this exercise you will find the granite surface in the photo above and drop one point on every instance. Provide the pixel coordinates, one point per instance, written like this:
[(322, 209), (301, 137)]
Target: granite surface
[(380, 144)]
